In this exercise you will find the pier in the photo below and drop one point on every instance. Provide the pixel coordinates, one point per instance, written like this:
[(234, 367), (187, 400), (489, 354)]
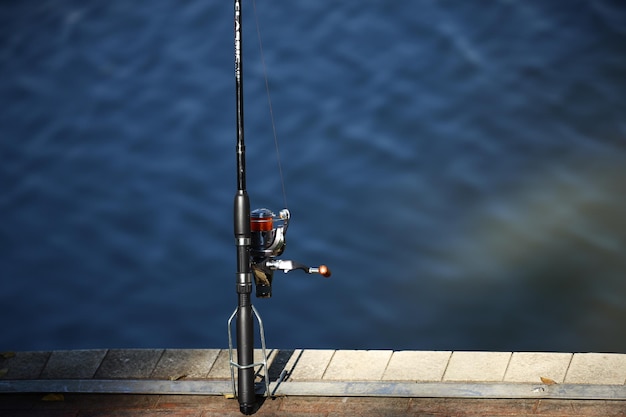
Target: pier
[(196, 382)]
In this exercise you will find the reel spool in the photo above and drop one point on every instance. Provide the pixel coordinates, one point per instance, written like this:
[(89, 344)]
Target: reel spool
[(268, 233)]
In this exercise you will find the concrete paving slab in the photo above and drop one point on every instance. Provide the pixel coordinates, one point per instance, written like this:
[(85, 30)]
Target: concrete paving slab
[(477, 366), (278, 366), (357, 365), (309, 365), (176, 364), (597, 368), (532, 366), (417, 366), (23, 365), (128, 363), (221, 367), (73, 364)]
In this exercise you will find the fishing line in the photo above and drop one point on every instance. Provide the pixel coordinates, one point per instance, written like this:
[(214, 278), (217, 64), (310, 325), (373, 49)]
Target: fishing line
[(269, 101)]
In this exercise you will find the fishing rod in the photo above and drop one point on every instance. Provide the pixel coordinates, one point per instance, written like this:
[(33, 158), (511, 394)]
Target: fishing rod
[(259, 238)]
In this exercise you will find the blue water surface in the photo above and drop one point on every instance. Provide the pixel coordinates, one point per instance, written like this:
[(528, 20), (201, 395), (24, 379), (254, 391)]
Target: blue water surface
[(458, 165)]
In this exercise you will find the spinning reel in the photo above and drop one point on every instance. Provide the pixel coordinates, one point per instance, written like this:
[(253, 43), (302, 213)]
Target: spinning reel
[(268, 233)]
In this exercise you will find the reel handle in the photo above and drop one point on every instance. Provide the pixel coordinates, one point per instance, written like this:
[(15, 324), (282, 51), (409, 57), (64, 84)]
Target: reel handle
[(286, 266)]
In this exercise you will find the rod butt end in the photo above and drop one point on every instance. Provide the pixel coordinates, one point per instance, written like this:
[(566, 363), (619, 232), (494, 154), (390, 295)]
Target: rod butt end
[(247, 409)]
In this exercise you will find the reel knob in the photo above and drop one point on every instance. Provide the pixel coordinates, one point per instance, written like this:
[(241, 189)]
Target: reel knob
[(322, 270)]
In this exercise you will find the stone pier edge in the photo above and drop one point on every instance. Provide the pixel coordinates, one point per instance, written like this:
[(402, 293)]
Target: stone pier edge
[(322, 372)]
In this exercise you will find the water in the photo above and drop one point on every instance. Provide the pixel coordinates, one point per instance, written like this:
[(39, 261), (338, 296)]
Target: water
[(458, 165)]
